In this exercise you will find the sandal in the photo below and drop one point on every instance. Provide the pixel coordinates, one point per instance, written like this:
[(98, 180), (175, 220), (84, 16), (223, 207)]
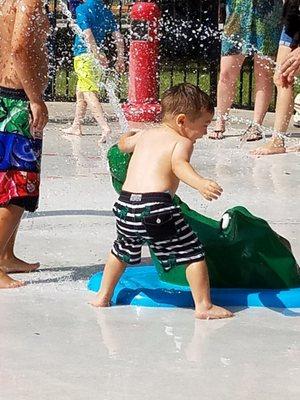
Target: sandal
[(217, 134), (252, 134)]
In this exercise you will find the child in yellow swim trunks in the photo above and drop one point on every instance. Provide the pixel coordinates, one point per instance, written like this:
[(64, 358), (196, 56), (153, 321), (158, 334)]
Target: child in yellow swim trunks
[(95, 20)]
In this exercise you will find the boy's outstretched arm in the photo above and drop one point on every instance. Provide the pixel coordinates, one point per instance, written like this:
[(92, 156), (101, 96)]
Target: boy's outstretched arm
[(182, 168), (128, 141)]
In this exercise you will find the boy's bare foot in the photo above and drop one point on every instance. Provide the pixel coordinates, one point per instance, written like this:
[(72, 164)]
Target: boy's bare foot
[(15, 265), (100, 301), (211, 312), (8, 283), (103, 139), (72, 131), (106, 132)]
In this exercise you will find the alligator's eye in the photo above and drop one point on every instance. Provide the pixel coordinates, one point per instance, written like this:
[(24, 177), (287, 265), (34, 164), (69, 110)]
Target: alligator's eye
[(225, 221)]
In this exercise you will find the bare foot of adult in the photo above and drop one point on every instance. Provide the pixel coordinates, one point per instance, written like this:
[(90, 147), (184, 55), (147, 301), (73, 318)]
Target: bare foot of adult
[(271, 147), (212, 312), (293, 149), (8, 283), (100, 301), (72, 130), (15, 265)]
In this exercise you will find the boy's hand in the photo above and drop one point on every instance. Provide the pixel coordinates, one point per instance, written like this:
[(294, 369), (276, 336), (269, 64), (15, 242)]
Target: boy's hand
[(39, 117), (210, 190)]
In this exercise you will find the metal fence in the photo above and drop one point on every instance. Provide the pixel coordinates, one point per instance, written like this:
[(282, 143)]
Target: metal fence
[(189, 49)]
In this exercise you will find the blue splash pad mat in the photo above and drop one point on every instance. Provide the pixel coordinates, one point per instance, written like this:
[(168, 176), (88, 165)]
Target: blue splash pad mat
[(140, 286)]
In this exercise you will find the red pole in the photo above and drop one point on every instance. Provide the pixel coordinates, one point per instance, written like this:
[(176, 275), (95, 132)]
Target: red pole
[(142, 104)]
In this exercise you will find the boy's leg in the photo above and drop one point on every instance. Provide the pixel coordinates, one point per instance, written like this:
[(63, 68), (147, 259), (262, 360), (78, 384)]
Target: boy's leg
[(9, 219), (9, 263), (198, 279), (113, 270), (93, 102), (75, 128)]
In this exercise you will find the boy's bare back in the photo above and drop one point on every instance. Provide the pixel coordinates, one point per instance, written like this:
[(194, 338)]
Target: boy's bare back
[(151, 165)]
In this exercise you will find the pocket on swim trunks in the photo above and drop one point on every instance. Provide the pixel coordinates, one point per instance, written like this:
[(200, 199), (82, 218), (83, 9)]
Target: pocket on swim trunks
[(160, 226)]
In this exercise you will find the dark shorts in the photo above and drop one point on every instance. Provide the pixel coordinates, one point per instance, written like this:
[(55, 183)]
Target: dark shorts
[(28, 203), (287, 40), (153, 219)]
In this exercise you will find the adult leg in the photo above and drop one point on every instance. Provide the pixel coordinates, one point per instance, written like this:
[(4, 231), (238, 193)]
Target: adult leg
[(80, 111), (9, 220), (197, 277), (263, 72), (113, 270), (283, 112), (9, 263), (229, 72), (93, 102)]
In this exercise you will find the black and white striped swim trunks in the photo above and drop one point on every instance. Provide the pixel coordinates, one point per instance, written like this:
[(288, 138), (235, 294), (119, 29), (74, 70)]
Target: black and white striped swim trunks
[(153, 219)]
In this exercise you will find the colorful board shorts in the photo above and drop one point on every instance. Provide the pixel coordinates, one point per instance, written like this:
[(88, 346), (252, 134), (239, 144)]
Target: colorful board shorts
[(153, 219), (252, 26), (20, 153), (88, 73)]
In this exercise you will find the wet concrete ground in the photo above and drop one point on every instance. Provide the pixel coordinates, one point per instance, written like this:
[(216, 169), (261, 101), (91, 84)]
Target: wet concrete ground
[(53, 345)]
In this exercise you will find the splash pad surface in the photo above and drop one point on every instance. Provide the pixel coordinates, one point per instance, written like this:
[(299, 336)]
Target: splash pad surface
[(54, 323)]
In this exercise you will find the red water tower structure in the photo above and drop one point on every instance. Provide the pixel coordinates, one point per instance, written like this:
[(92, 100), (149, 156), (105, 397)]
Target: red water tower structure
[(143, 104)]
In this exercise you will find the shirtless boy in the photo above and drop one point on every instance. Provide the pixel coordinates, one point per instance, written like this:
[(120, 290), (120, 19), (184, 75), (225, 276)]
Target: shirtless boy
[(145, 212), (23, 116)]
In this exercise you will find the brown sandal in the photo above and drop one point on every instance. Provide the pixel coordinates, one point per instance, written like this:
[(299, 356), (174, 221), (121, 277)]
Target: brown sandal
[(219, 134), (252, 134)]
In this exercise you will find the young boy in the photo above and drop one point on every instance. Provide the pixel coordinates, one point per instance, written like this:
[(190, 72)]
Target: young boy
[(24, 28), (145, 212), (95, 20)]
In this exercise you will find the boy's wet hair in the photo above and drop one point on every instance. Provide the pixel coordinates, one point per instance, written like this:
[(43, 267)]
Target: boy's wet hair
[(186, 98)]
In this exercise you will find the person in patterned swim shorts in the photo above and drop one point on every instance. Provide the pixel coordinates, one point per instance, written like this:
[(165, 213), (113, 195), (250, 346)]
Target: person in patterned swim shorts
[(23, 116)]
